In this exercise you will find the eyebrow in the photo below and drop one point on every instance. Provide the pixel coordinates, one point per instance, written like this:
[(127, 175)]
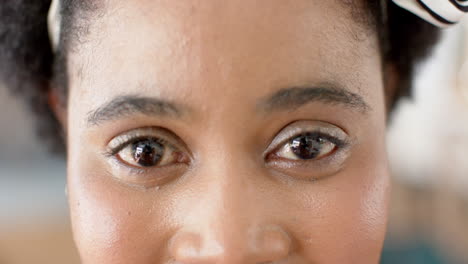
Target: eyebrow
[(295, 97), (123, 106), (284, 99)]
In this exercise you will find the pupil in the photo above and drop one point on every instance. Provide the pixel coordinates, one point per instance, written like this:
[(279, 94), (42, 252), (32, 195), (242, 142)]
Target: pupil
[(307, 146), (147, 152)]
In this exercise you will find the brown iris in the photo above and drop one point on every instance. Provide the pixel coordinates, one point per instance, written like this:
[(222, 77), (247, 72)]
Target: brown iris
[(147, 152), (308, 146)]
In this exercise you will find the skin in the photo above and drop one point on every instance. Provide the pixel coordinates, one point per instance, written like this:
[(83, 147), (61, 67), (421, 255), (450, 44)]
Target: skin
[(226, 199)]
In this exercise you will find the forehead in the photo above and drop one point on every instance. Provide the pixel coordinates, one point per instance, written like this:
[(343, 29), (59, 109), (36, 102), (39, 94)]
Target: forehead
[(185, 50)]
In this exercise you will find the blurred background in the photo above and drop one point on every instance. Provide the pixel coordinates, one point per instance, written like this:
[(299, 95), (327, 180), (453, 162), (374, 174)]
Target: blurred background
[(428, 149)]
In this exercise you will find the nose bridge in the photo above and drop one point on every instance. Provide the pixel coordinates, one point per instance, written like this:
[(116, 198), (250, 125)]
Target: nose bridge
[(232, 214), (231, 183), (227, 225)]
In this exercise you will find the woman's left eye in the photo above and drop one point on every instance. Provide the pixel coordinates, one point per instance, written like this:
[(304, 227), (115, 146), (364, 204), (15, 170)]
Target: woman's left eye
[(307, 146)]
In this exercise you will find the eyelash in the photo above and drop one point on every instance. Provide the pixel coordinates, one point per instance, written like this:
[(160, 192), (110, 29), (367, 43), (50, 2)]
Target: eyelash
[(113, 151), (271, 156), (339, 144)]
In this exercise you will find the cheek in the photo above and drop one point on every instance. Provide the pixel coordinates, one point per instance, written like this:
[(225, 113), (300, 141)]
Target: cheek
[(113, 223), (344, 219)]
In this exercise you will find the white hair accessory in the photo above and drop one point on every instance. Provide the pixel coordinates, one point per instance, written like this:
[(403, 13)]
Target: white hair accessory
[(54, 20), (441, 13)]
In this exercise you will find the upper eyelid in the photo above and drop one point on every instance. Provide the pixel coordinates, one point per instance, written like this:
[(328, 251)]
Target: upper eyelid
[(339, 143), (124, 144), (335, 140), (289, 132), (120, 141)]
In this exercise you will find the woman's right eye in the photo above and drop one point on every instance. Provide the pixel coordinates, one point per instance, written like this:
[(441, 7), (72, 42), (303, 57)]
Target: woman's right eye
[(147, 148), (148, 152)]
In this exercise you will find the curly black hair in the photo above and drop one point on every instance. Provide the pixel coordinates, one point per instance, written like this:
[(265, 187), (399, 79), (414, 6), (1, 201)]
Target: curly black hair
[(28, 65)]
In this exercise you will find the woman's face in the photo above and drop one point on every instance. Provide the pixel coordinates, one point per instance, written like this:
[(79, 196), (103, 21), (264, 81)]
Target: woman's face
[(227, 132)]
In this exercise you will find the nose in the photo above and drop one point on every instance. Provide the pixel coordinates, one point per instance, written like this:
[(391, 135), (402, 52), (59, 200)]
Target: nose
[(233, 220), (262, 244)]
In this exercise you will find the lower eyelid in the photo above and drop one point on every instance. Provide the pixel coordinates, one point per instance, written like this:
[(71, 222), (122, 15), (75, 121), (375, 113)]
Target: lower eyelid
[(312, 169), (146, 179), (119, 168), (118, 165)]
